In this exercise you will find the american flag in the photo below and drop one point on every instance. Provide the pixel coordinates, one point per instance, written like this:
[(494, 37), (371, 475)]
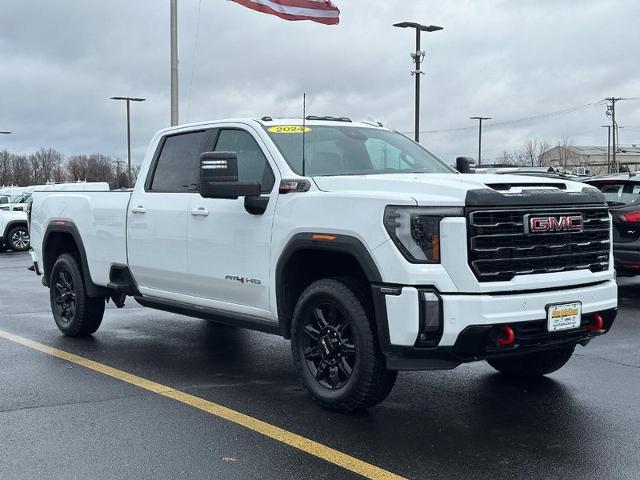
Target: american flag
[(321, 11)]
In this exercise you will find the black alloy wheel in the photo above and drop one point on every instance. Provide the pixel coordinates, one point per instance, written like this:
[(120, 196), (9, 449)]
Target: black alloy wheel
[(65, 296), (335, 349), (76, 314), (329, 348)]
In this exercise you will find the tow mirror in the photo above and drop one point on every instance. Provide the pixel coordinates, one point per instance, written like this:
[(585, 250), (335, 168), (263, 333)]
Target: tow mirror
[(463, 164), (219, 177)]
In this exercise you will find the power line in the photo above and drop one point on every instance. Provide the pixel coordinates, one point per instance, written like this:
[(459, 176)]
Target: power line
[(540, 116)]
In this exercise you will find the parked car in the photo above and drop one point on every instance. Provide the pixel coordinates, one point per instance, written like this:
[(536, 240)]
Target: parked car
[(358, 244), (14, 233), (622, 192)]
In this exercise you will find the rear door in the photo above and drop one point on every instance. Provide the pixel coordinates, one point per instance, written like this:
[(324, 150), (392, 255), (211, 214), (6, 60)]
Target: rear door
[(229, 260), (159, 212)]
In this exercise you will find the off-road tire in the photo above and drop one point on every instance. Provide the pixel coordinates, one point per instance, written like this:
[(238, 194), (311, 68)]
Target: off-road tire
[(535, 364), (370, 382), (85, 317), (16, 239)]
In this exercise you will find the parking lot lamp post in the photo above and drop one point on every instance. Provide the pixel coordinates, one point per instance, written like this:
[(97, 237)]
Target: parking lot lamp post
[(480, 120), (129, 100), (418, 57)]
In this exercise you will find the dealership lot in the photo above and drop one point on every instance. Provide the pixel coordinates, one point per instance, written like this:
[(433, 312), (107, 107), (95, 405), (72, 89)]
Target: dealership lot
[(60, 419)]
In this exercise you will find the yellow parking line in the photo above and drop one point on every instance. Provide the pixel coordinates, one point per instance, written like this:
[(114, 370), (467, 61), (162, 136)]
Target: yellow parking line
[(297, 441)]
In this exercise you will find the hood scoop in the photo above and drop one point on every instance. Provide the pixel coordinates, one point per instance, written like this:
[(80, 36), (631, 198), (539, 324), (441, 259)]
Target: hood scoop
[(519, 187)]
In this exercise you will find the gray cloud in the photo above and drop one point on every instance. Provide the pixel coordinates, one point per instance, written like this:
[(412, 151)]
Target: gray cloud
[(61, 61)]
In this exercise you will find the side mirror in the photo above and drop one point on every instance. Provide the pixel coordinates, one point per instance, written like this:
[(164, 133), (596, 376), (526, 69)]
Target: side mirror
[(219, 177), (463, 164)]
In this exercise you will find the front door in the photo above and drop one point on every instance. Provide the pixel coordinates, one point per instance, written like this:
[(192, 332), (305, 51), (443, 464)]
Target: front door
[(158, 216), (230, 249)]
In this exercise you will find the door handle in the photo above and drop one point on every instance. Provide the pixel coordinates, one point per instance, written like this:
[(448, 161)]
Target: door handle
[(200, 212), (139, 209)]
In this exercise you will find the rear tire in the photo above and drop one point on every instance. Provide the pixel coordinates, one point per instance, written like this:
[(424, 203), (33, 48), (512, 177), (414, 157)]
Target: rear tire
[(533, 365), (18, 239), (75, 313), (335, 349)]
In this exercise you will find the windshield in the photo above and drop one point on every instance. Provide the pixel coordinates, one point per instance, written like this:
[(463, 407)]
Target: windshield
[(619, 192), (20, 197), (346, 150)]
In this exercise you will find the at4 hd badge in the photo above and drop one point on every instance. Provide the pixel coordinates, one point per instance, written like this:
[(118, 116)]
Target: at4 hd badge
[(245, 280)]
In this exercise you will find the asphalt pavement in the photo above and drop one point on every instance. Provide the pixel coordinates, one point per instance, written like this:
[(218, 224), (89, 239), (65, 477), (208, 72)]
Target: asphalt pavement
[(59, 419)]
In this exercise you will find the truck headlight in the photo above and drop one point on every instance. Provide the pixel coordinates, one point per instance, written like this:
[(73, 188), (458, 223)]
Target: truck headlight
[(416, 230)]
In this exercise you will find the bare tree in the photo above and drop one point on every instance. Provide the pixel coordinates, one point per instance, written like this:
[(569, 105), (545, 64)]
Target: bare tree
[(43, 163), (6, 172), (532, 152), (567, 157), (78, 167), (21, 170)]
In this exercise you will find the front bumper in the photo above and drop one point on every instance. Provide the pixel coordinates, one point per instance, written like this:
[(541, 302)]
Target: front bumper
[(470, 322)]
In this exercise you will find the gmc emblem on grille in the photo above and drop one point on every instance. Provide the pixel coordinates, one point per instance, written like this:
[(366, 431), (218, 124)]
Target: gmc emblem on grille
[(553, 223)]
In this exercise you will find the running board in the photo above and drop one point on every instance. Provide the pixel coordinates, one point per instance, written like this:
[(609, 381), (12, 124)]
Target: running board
[(227, 318)]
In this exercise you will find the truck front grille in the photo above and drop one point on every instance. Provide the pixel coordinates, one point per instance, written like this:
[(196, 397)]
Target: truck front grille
[(501, 248)]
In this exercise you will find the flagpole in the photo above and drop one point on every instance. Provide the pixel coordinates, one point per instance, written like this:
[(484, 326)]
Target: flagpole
[(174, 63)]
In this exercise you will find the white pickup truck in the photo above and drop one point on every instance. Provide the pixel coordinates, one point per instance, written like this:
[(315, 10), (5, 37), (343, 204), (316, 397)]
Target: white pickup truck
[(359, 245)]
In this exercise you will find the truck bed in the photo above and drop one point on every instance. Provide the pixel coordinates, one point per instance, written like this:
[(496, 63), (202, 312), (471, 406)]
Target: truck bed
[(99, 217)]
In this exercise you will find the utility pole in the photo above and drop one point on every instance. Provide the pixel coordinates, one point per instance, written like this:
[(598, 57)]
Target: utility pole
[(611, 110), (129, 100), (480, 120), (418, 57), (174, 63)]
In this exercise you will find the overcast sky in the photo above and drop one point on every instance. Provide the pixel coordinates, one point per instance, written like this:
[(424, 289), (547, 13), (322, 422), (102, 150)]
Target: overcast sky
[(60, 61)]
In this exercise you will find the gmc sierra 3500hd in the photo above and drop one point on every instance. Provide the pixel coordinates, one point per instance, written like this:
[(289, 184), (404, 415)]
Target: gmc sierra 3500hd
[(359, 245)]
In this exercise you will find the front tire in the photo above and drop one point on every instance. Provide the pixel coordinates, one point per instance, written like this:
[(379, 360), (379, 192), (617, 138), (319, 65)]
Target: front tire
[(535, 364), (18, 239), (335, 349), (75, 313)]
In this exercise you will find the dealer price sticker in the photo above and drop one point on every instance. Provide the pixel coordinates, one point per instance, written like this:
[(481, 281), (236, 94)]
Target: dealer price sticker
[(564, 317)]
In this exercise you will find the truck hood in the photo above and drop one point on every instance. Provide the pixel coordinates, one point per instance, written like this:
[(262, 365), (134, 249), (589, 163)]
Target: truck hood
[(443, 189)]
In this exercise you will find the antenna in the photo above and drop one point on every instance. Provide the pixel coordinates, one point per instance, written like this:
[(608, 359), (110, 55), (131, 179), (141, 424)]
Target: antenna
[(304, 128)]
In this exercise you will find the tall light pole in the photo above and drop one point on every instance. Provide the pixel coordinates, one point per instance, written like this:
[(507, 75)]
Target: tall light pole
[(418, 56), (129, 100), (480, 120), (174, 63)]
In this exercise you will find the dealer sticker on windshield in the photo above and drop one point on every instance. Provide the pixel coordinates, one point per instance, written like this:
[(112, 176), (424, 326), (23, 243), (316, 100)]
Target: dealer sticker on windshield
[(564, 316), (288, 129)]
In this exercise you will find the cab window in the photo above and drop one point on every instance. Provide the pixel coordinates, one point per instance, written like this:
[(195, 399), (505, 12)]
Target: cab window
[(177, 167)]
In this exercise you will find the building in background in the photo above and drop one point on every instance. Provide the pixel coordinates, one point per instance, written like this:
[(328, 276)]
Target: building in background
[(592, 158)]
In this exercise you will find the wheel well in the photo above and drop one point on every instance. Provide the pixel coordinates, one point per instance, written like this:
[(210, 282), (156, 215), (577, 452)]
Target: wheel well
[(56, 244), (13, 225), (305, 267)]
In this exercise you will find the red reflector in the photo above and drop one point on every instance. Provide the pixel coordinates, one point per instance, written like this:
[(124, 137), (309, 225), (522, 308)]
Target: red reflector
[(631, 216), (507, 337), (597, 324)]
